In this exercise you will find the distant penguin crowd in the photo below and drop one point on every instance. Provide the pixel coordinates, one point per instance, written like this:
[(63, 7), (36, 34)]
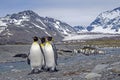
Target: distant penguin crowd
[(42, 56)]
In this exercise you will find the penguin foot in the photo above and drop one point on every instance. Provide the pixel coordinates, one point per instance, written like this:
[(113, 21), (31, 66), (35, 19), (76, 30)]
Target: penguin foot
[(55, 70), (39, 71), (35, 72), (46, 69), (32, 72), (43, 69)]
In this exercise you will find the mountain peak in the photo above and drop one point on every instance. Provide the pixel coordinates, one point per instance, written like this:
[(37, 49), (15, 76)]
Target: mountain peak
[(117, 9), (28, 13), (106, 22)]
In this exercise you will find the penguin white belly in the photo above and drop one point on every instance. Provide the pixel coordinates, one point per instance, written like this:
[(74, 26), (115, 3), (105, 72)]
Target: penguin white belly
[(35, 56), (49, 56)]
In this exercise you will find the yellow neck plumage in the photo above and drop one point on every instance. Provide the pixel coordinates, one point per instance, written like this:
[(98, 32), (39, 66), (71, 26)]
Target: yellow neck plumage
[(48, 42), (42, 45), (35, 42)]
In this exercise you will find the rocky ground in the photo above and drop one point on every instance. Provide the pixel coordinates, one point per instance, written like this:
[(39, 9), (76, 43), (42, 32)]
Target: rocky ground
[(71, 66)]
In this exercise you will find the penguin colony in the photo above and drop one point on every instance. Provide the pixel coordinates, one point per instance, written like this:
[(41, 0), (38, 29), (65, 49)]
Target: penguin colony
[(42, 56)]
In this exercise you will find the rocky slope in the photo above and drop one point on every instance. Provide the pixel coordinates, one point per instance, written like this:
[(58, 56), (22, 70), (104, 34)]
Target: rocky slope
[(80, 29), (21, 27)]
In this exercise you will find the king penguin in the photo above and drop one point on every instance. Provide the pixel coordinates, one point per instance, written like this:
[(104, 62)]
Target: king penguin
[(50, 55), (42, 46), (35, 57)]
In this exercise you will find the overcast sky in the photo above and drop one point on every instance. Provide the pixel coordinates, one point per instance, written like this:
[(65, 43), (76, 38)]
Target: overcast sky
[(73, 12)]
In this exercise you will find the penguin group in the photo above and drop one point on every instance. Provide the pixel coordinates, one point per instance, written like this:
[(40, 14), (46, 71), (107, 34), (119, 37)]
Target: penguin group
[(43, 56)]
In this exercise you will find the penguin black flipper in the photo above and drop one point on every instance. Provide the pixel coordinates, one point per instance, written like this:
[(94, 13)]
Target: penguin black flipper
[(28, 60), (43, 56), (55, 53)]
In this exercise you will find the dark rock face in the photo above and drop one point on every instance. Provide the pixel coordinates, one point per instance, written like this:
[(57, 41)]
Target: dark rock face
[(21, 55), (79, 28)]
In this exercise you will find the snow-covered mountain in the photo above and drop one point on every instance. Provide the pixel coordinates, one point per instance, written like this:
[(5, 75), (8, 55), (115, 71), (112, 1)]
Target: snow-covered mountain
[(21, 27), (80, 29), (106, 22)]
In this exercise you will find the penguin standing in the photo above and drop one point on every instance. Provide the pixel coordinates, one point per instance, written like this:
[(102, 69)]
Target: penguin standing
[(50, 39), (50, 56), (35, 57), (42, 46)]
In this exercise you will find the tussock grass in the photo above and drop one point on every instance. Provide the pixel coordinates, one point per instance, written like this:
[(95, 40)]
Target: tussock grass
[(106, 42), (98, 42)]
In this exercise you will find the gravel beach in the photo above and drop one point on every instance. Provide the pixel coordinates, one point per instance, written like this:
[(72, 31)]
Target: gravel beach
[(71, 66)]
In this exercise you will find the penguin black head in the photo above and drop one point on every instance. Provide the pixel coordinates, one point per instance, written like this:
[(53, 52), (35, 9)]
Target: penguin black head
[(49, 38), (42, 40), (35, 38)]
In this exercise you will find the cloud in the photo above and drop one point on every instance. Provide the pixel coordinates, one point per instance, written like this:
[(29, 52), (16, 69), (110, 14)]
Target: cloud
[(78, 16), (73, 12)]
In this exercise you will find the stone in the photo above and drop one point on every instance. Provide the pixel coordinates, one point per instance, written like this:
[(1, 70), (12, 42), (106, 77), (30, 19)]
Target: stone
[(92, 75)]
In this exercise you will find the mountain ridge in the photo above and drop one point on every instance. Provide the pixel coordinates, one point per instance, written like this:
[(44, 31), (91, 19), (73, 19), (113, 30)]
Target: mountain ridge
[(22, 26), (106, 22)]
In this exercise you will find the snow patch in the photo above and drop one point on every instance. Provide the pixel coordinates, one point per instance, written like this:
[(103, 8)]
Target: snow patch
[(57, 22), (18, 22), (56, 26), (2, 29), (99, 29), (27, 31), (47, 33), (38, 26), (65, 32), (25, 17), (2, 23), (110, 15), (87, 36), (39, 20), (8, 33)]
